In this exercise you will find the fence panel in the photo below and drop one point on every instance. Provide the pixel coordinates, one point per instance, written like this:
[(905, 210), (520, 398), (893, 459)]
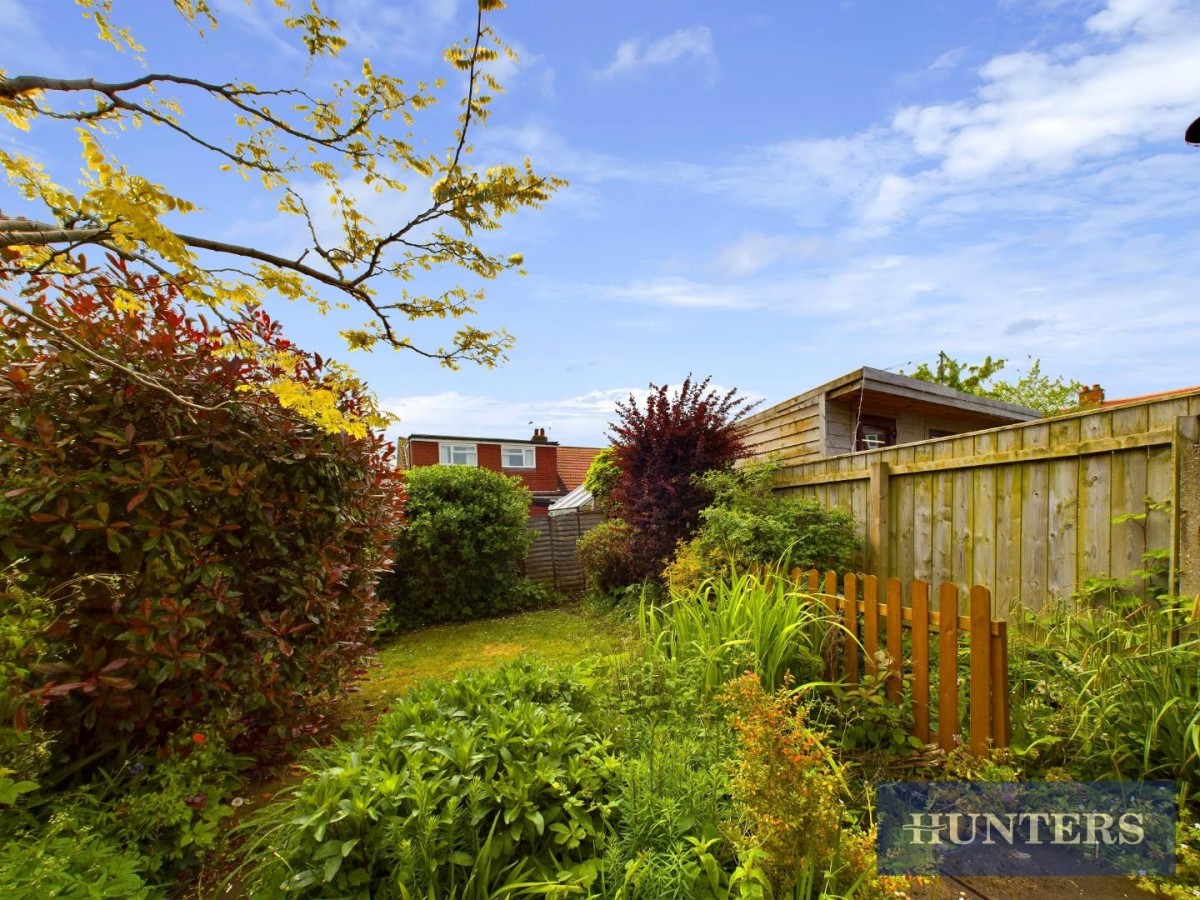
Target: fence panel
[(985, 639), (1027, 508), (553, 560)]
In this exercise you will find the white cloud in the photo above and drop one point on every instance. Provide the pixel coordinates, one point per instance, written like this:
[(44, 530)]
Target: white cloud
[(949, 60), (753, 252), (687, 44), (681, 292), (1136, 15)]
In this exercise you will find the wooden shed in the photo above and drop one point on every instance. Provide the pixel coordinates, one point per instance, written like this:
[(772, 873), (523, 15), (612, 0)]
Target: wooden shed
[(869, 409)]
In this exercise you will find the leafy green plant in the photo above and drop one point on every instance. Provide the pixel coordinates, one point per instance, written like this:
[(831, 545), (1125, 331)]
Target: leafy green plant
[(24, 745), (208, 554), (1049, 396), (1108, 691), (860, 716), (459, 550), (673, 795), (748, 523), (70, 862), (736, 623), (602, 477), (605, 558), (494, 784)]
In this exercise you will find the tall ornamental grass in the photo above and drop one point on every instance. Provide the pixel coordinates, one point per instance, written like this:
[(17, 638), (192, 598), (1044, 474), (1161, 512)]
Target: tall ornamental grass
[(1108, 692), (737, 623)]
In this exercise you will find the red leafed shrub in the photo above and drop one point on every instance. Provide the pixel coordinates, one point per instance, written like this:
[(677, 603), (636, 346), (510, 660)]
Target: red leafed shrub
[(210, 557), (659, 450)]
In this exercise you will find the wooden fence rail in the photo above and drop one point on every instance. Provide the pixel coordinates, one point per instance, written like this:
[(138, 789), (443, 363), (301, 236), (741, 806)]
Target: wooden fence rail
[(1032, 510), (873, 623)]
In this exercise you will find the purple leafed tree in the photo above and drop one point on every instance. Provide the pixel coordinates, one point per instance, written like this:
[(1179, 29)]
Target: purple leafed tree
[(660, 448)]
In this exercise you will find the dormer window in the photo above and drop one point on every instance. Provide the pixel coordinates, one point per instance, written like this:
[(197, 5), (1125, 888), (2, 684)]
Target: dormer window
[(459, 455), (518, 457)]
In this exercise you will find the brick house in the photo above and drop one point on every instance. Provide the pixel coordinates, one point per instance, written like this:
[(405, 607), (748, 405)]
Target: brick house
[(549, 470)]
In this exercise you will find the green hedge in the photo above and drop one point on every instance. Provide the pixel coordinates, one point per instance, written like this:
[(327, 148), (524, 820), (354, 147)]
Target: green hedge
[(459, 550)]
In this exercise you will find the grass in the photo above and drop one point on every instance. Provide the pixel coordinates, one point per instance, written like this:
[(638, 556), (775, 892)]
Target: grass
[(564, 634)]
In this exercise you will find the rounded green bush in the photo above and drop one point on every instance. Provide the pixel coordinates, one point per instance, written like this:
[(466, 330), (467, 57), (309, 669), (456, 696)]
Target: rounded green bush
[(459, 551)]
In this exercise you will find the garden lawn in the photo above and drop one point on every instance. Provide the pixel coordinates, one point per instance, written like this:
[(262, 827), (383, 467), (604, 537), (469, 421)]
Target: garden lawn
[(564, 634)]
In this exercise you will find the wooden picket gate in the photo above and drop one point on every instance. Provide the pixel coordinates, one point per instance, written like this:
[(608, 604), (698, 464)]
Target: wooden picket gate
[(860, 610)]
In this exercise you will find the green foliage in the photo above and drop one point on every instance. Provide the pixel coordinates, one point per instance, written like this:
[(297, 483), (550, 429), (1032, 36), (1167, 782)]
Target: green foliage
[(1049, 396), (960, 376), (735, 623), (602, 477), (170, 805), (861, 717), (69, 862), (1109, 692), (749, 523), (24, 744), (465, 789), (673, 802), (459, 550), (605, 557)]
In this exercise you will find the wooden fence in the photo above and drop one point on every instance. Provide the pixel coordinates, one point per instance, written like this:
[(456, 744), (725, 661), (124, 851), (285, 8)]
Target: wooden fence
[(553, 560), (1034, 509), (873, 623)]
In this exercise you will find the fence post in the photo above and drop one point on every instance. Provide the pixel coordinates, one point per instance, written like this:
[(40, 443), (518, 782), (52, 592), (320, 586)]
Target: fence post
[(1185, 514), (947, 665), (981, 669), (920, 660), (877, 521)]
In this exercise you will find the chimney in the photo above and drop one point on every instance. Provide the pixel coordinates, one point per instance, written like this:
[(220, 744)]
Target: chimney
[(539, 436), (1091, 396)]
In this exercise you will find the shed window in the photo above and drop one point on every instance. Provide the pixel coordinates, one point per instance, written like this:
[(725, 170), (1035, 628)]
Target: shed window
[(517, 457), (875, 432), (459, 455)]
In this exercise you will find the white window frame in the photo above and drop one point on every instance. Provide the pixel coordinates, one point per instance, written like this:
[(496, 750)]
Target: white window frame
[(528, 453), (447, 449)]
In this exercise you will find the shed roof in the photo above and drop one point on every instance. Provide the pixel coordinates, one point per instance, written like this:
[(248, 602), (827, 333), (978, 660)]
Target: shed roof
[(880, 386)]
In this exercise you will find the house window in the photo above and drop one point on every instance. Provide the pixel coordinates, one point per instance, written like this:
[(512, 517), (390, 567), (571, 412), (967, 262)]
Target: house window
[(517, 458), (459, 455), (875, 432)]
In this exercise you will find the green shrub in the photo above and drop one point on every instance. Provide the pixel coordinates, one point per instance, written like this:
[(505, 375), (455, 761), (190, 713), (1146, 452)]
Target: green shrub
[(747, 523), (606, 559), (208, 554), (459, 551), (495, 779)]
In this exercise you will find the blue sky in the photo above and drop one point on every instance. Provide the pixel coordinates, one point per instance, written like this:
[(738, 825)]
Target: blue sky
[(772, 194)]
